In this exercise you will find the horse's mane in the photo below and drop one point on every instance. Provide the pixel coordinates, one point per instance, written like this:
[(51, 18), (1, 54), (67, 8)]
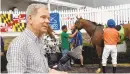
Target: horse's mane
[(96, 24)]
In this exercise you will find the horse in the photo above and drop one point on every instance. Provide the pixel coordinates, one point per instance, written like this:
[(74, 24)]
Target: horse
[(95, 31), (124, 31)]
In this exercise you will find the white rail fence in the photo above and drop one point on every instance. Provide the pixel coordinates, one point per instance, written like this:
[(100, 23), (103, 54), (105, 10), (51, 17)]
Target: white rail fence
[(120, 13)]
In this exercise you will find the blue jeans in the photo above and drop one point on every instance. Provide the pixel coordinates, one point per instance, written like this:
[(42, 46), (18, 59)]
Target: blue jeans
[(64, 51), (67, 65)]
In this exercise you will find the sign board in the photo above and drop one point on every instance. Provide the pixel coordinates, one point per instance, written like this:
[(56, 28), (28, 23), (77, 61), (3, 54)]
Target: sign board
[(55, 21)]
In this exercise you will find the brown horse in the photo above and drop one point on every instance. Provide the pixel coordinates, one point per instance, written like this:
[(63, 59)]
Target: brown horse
[(126, 30), (95, 31)]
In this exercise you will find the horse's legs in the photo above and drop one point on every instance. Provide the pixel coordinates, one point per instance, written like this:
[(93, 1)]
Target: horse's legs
[(99, 53)]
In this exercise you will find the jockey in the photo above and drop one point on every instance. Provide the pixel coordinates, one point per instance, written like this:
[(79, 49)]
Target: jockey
[(111, 23), (111, 38)]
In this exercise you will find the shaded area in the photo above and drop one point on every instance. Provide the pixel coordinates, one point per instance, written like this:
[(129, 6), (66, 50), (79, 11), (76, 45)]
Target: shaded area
[(90, 55), (93, 68)]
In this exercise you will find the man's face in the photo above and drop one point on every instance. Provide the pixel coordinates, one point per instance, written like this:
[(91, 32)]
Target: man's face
[(65, 30), (40, 21)]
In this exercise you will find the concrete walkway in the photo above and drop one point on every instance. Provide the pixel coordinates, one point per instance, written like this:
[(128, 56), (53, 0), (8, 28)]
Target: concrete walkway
[(91, 68)]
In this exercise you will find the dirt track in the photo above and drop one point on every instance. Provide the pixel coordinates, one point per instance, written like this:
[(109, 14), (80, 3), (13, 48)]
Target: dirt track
[(92, 69)]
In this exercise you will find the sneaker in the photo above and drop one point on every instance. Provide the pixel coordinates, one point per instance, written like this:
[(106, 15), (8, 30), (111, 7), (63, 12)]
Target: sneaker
[(81, 65), (72, 62), (55, 66)]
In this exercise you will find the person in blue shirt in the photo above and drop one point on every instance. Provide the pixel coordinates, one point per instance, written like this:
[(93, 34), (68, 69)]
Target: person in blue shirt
[(75, 53), (76, 45)]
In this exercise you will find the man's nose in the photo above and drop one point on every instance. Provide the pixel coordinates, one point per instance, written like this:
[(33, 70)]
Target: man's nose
[(47, 20)]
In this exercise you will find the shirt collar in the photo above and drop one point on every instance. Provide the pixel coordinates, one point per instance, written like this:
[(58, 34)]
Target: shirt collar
[(31, 35), (64, 32)]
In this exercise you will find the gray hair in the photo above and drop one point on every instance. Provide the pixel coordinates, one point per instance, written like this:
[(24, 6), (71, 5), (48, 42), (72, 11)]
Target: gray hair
[(32, 9)]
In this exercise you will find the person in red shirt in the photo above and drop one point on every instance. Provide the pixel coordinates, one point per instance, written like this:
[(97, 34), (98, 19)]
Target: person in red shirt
[(111, 38)]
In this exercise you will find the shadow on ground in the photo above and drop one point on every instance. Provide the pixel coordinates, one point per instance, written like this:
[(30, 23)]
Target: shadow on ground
[(93, 68)]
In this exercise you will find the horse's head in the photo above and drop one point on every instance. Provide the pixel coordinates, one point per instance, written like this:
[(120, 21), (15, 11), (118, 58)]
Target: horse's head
[(78, 23), (118, 27), (82, 23)]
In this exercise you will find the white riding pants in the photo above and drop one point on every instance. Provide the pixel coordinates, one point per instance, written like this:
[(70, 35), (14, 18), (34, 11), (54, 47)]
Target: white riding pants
[(109, 49)]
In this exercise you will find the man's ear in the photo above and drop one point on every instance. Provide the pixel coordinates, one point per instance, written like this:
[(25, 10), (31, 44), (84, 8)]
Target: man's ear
[(29, 19)]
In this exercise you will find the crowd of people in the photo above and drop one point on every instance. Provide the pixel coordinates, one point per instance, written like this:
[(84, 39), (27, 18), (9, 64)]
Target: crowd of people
[(33, 51)]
